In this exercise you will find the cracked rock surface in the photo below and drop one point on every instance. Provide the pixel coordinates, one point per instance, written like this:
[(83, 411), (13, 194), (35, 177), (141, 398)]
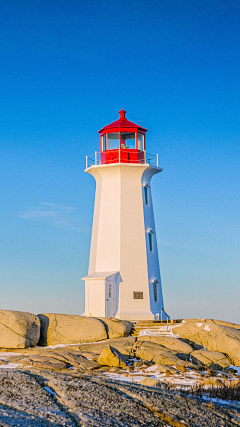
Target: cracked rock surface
[(44, 398), (18, 329), (25, 402), (213, 336), (66, 386)]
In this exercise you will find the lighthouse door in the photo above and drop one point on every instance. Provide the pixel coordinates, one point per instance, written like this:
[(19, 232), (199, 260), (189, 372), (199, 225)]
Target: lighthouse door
[(110, 288)]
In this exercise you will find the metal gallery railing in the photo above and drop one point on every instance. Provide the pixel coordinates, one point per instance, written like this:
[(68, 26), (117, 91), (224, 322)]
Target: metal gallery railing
[(97, 159), (167, 315), (152, 159), (93, 159)]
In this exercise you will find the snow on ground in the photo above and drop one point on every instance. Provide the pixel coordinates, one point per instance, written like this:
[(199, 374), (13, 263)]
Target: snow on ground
[(220, 401), (53, 347), (50, 391), (189, 378), (129, 378), (10, 366), (236, 368), (6, 355), (165, 331)]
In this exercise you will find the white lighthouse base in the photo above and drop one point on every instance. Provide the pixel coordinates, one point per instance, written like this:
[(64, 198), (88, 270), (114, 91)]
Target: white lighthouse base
[(124, 276), (131, 315)]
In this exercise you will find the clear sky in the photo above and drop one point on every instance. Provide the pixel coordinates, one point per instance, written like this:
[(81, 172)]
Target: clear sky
[(67, 67)]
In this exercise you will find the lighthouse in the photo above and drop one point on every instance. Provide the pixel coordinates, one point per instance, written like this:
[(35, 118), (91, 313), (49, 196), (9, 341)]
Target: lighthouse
[(123, 279)]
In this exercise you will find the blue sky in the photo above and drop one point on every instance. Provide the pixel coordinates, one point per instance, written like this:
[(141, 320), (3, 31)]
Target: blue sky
[(67, 68)]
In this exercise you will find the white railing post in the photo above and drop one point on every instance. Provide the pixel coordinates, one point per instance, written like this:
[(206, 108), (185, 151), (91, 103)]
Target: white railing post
[(157, 160), (145, 156), (86, 162), (95, 157)]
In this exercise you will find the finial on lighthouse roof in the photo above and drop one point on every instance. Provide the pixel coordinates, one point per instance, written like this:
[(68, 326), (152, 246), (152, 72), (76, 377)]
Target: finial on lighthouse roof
[(122, 113), (121, 123)]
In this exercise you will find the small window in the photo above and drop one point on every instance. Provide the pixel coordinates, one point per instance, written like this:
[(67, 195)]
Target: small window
[(110, 291), (146, 195), (155, 292), (150, 237)]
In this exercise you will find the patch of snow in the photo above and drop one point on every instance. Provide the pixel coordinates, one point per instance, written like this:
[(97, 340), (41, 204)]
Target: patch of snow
[(4, 356), (188, 379), (199, 324), (68, 345), (122, 377), (149, 332), (236, 368), (182, 381), (153, 368), (50, 391), (160, 331), (207, 328), (56, 346), (221, 401), (10, 366)]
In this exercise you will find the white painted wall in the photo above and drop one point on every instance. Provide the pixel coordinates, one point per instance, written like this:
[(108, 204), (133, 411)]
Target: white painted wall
[(95, 298), (119, 236), (98, 301)]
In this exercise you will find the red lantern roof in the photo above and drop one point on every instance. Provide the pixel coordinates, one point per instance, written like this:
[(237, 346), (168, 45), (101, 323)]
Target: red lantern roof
[(122, 122)]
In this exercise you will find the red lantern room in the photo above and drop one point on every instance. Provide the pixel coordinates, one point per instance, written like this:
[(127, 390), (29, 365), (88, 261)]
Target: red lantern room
[(122, 142)]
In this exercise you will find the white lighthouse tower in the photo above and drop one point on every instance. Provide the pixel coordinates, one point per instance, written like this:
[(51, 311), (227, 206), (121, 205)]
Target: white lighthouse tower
[(124, 278)]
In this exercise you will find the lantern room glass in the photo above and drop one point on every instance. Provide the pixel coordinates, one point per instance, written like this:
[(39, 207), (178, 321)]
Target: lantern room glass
[(128, 140), (102, 143), (140, 141), (113, 140)]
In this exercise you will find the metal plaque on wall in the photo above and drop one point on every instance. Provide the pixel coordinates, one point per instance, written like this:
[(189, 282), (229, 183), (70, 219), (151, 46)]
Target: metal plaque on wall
[(137, 295)]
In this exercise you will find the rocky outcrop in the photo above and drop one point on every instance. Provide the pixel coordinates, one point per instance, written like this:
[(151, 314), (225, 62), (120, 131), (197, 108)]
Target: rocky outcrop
[(217, 322), (110, 356), (212, 336), (18, 329), (171, 343), (212, 359), (156, 353), (116, 328), (123, 345), (70, 329), (150, 382), (166, 369)]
